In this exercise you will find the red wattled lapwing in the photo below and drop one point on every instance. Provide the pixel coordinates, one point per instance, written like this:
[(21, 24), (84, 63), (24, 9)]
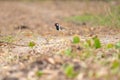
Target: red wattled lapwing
[(58, 27), (61, 29)]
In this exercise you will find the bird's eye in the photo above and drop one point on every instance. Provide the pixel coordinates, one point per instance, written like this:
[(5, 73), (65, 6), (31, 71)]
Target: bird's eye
[(56, 24)]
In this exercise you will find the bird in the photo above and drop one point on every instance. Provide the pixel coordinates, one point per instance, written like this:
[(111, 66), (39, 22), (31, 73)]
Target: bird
[(58, 27), (61, 30)]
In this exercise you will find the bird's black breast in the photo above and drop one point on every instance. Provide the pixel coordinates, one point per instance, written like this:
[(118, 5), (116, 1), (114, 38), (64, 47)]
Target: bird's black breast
[(57, 28)]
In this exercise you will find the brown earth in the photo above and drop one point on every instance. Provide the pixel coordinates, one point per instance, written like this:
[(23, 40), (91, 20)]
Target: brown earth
[(39, 19)]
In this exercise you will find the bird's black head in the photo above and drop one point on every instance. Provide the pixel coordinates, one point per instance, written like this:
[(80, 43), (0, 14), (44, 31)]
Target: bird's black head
[(57, 26)]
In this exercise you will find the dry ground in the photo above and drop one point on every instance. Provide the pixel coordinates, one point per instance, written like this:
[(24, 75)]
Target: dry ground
[(39, 19)]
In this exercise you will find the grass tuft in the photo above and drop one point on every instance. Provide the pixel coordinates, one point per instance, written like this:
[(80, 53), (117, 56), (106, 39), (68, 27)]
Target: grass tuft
[(110, 18), (31, 44), (76, 39), (69, 71)]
